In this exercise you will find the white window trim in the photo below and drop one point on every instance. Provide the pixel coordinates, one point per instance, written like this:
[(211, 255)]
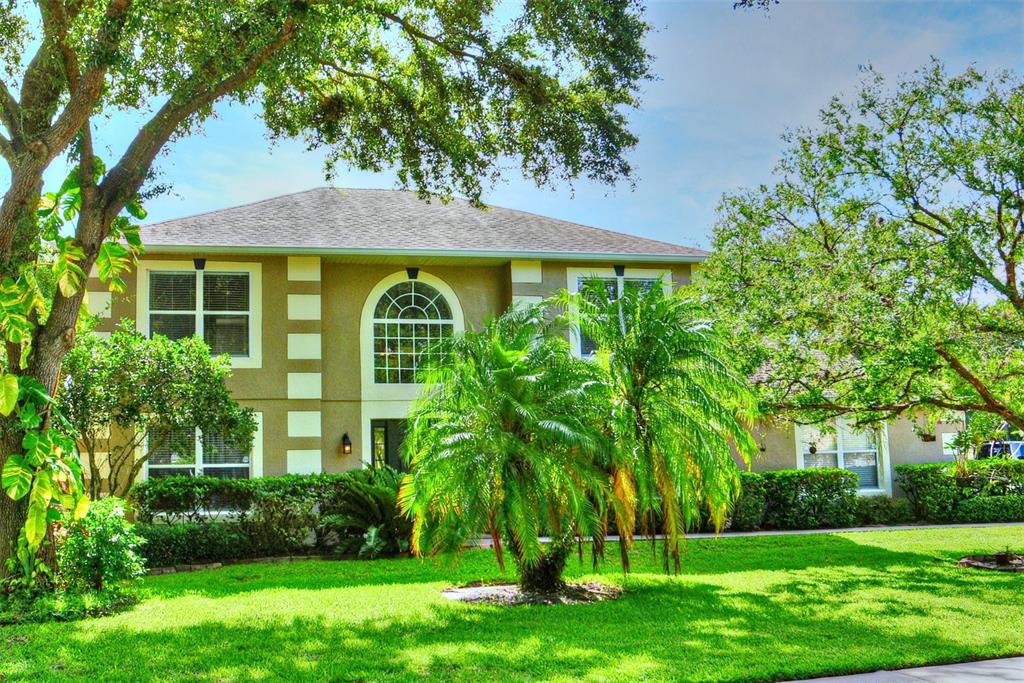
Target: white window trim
[(371, 391), (255, 455), (255, 272), (574, 274), (882, 439)]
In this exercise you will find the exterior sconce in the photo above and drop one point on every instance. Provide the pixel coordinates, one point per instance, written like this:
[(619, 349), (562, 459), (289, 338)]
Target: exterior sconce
[(413, 273), (813, 449), (346, 444), (620, 271)]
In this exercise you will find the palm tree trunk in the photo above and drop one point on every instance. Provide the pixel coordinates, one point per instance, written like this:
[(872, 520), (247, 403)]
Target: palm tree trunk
[(544, 575)]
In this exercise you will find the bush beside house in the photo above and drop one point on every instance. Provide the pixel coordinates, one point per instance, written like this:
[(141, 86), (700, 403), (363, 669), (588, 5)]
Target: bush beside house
[(193, 520), (976, 491)]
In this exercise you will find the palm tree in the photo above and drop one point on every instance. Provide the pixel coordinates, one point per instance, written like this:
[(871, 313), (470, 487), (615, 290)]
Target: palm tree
[(675, 411), (502, 443)]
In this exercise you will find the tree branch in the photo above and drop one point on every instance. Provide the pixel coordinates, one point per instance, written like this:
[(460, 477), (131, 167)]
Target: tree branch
[(992, 404)]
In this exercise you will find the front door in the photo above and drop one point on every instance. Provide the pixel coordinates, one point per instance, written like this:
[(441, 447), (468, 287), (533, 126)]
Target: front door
[(388, 436)]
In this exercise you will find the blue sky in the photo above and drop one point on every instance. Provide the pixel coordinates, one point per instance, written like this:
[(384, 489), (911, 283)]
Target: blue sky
[(730, 83)]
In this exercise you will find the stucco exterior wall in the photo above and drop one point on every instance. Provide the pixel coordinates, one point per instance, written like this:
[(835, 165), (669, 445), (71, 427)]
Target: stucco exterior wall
[(343, 287)]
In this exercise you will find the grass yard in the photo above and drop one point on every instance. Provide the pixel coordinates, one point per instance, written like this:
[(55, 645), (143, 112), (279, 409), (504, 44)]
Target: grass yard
[(745, 609)]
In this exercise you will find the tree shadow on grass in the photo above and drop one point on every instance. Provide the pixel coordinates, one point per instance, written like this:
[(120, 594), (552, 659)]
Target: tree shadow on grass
[(668, 630), (703, 557), (844, 607)]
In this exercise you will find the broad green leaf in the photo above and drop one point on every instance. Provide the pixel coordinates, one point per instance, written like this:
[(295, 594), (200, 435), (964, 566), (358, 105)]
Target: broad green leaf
[(17, 477), (134, 207), (81, 507), (8, 394), (35, 525)]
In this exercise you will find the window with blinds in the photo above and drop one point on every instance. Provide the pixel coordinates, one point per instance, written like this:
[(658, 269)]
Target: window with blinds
[(213, 305), (190, 452), (616, 287), (844, 447)]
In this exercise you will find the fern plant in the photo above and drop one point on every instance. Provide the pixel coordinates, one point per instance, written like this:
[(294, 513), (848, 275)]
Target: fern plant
[(365, 515)]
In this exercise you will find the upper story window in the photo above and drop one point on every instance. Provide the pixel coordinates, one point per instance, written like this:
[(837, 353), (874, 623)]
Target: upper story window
[(214, 305), (407, 319), (616, 286), (844, 447)]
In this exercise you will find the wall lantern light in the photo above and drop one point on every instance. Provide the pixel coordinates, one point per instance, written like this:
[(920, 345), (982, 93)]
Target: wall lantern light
[(346, 444), (199, 263), (813, 449)]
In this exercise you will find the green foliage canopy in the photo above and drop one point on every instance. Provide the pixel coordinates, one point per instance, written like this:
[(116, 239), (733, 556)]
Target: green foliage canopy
[(881, 274)]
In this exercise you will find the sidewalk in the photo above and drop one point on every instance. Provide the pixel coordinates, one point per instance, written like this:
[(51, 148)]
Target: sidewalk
[(969, 672), (485, 542)]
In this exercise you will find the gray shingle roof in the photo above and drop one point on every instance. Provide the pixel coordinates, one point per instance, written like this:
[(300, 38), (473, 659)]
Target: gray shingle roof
[(384, 221)]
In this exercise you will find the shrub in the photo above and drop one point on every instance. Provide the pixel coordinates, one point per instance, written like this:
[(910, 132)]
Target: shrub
[(189, 543), (809, 498), (202, 499), (191, 499), (931, 488), (1008, 508), (748, 510), (366, 516), (23, 607), (875, 510), (278, 525), (100, 548)]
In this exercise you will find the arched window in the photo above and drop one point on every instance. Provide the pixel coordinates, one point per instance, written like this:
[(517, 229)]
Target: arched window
[(408, 317)]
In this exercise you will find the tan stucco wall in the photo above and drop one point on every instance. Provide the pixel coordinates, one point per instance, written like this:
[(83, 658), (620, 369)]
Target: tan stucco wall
[(482, 291)]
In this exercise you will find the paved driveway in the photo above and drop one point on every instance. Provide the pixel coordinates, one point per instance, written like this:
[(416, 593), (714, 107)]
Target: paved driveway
[(969, 672)]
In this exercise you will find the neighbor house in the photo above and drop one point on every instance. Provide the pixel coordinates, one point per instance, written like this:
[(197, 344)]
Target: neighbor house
[(325, 298)]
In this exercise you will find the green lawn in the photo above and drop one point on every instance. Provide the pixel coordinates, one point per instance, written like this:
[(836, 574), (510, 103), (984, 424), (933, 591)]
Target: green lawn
[(745, 609)]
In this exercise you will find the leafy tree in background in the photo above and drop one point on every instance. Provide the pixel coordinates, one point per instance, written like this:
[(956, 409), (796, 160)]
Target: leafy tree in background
[(673, 409), (444, 92), (144, 391), (882, 273), (502, 443)]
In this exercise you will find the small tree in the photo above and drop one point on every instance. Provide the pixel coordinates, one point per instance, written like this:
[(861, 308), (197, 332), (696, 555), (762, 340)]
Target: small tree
[(128, 396), (502, 443), (673, 408)]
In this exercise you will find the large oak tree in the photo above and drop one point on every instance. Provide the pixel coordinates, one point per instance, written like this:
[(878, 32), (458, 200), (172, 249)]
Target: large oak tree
[(883, 273), (447, 92)]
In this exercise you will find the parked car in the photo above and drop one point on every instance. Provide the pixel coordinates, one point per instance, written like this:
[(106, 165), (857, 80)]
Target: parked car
[(1002, 449)]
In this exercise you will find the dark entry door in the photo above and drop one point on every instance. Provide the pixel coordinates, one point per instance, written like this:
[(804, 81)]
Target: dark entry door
[(388, 436)]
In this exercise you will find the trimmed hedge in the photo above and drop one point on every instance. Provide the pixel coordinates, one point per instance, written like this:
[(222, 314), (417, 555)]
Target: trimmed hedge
[(883, 510), (991, 509), (748, 511), (206, 519), (191, 543), (938, 491), (202, 499), (815, 498)]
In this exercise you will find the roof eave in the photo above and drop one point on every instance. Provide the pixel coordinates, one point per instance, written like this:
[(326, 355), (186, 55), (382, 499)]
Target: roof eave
[(446, 253)]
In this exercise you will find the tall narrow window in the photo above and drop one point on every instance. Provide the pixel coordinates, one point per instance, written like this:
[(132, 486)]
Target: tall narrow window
[(844, 447), (407, 320), (216, 306)]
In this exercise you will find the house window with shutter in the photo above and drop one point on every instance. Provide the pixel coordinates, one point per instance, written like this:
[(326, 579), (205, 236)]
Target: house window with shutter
[(214, 305), (842, 446)]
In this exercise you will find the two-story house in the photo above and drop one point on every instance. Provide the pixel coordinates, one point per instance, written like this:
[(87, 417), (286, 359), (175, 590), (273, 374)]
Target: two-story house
[(325, 298)]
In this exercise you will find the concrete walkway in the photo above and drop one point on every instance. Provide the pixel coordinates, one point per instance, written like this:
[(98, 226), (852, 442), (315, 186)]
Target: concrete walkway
[(987, 671), (486, 541)]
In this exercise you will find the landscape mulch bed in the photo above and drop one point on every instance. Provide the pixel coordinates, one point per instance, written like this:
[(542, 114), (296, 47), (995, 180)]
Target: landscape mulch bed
[(510, 594)]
